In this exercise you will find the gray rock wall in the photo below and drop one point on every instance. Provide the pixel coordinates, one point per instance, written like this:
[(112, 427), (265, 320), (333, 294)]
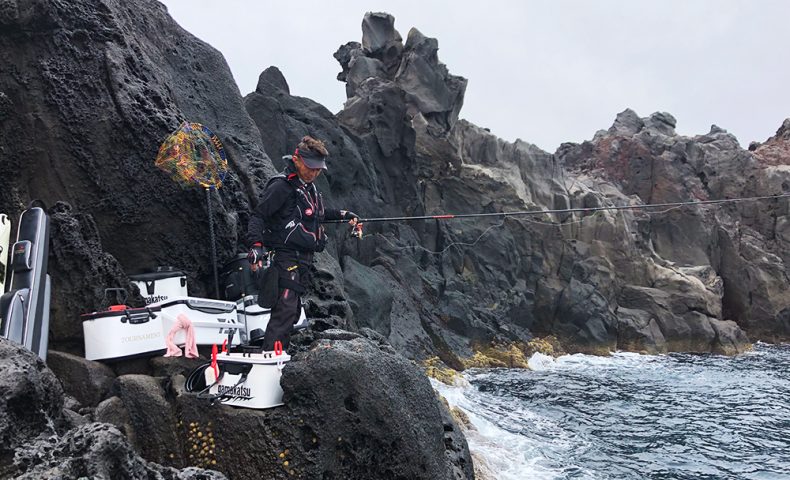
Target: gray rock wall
[(89, 90), (401, 150)]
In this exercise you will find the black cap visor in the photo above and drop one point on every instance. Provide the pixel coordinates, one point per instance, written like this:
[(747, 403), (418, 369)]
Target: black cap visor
[(313, 159)]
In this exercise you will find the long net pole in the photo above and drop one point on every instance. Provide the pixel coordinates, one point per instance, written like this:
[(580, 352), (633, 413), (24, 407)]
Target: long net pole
[(213, 242)]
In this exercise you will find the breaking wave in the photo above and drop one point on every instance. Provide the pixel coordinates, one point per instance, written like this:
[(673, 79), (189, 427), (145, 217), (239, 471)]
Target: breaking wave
[(632, 416)]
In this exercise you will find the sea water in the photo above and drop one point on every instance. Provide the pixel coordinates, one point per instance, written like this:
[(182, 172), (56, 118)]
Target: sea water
[(630, 416)]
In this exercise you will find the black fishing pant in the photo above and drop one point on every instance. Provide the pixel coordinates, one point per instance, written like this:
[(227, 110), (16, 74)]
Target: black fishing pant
[(294, 270)]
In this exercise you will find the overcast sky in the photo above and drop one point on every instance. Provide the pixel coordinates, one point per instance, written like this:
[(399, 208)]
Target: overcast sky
[(544, 71)]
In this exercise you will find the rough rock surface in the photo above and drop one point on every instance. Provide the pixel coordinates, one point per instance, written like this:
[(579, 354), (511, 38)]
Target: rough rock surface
[(652, 281), (349, 412), (31, 400), (397, 148), (41, 439), (89, 90), (350, 403), (88, 382), (96, 450), (368, 429)]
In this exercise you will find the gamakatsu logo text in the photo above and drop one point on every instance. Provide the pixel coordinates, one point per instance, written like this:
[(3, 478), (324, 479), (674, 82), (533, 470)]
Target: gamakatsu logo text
[(155, 298), (237, 391)]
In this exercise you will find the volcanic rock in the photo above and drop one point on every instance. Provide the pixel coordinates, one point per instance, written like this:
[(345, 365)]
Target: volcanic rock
[(89, 382), (94, 88), (381, 41), (152, 428), (96, 450), (42, 440), (349, 413), (31, 400)]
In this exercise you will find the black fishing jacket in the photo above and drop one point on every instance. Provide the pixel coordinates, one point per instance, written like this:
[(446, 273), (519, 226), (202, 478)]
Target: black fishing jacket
[(289, 215)]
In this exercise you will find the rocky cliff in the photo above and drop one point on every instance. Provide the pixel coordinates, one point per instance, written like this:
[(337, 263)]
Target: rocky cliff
[(688, 279), (90, 88)]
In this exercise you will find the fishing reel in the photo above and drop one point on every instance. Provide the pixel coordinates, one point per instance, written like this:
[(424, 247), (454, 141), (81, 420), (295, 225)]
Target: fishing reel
[(356, 230)]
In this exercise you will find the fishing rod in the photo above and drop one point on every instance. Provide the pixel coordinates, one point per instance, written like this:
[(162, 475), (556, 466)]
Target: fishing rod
[(565, 210)]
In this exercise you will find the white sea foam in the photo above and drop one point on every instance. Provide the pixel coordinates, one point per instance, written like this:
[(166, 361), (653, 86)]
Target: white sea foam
[(506, 455), (539, 361), (629, 416), (498, 439)]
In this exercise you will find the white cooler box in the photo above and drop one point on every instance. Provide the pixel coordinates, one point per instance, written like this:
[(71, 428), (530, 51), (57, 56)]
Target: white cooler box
[(118, 334), (250, 380), (161, 285), (254, 316)]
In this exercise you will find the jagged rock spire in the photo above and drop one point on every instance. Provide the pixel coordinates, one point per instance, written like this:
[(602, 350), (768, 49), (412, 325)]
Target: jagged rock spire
[(428, 87)]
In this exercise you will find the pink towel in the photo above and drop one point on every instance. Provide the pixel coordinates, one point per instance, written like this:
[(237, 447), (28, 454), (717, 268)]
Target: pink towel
[(182, 322)]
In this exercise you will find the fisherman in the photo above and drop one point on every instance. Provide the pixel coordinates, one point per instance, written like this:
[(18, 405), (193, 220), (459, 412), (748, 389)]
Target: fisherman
[(286, 225)]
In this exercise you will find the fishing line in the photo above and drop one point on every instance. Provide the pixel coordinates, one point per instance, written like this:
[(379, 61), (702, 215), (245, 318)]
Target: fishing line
[(568, 210), (669, 207), (420, 247)]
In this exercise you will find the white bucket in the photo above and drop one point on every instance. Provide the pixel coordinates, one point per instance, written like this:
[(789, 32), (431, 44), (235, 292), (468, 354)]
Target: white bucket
[(250, 380), (137, 331), (160, 286), (121, 334)]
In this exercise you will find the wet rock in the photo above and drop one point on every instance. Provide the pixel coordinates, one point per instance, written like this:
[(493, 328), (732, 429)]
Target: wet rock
[(674, 330), (584, 319), (730, 339), (638, 331), (89, 382)]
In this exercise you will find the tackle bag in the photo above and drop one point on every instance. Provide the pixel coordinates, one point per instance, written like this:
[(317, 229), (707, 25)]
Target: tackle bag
[(24, 309), (237, 280)]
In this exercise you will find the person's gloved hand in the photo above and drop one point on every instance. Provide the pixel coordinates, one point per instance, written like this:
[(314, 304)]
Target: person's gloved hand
[(256, 254), (352, 217)]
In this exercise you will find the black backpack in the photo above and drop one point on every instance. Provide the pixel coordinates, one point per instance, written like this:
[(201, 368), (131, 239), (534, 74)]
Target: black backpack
[(237, 279)]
